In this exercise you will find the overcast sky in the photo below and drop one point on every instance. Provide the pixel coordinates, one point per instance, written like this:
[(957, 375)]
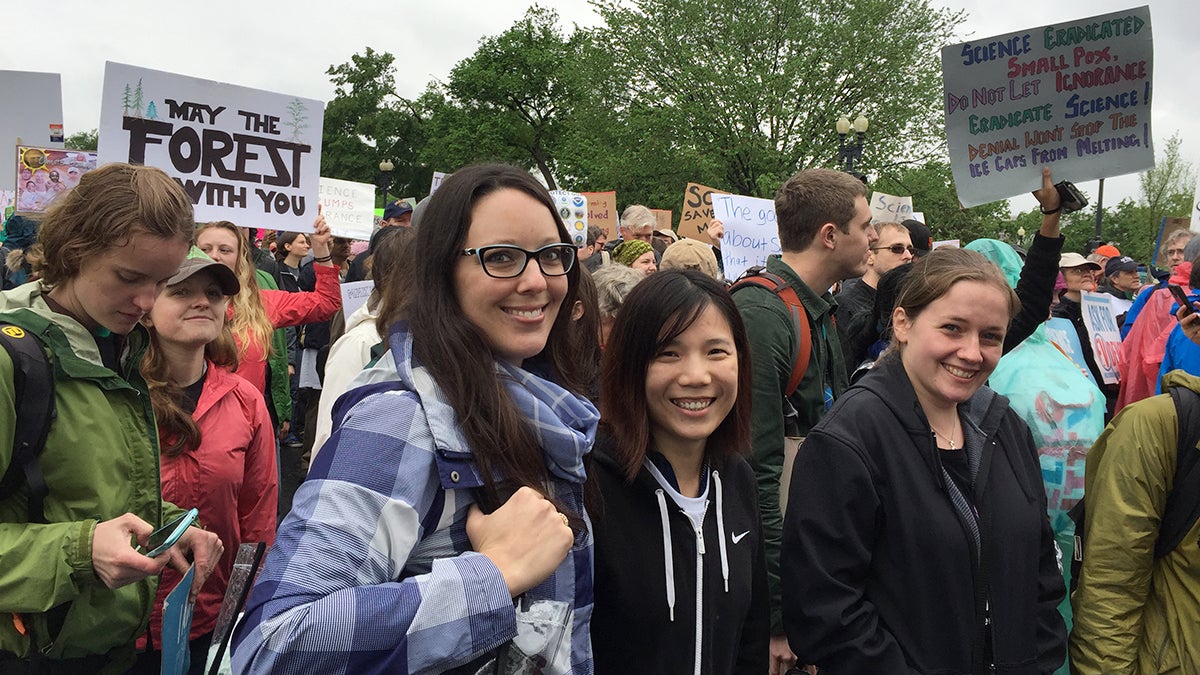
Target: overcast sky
[(287, 47)]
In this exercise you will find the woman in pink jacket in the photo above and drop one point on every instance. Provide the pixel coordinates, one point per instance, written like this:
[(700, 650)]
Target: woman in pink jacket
[(218, 449)]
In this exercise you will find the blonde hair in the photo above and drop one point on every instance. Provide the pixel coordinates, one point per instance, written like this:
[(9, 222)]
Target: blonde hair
[(250, 323)]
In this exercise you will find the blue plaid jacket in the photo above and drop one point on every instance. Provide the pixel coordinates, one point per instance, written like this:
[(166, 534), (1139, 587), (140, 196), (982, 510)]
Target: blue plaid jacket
[(372, 571)]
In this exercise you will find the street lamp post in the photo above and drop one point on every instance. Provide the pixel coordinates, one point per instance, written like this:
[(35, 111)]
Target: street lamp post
[(851, 152), (385, 179)]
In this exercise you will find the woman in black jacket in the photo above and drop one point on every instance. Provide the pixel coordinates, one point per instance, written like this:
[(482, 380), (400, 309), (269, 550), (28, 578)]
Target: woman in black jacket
[(680, 579), (916, 537)]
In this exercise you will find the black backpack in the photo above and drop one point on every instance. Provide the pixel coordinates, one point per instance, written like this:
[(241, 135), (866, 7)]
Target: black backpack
[(33, 388), (1183, 502)]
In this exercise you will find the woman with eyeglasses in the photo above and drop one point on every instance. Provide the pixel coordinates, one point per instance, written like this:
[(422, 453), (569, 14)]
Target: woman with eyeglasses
[(445, 514)]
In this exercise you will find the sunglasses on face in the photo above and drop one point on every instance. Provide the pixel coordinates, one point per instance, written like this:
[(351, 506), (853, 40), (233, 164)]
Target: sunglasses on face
[(898, 249)]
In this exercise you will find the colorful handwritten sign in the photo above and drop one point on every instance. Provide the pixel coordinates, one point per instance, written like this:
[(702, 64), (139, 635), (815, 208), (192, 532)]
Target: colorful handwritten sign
[(1074, 96), (244, 155), (602, 211), (697, 212), (751, 233), (45, 174), (1104, 333), (887, 208)]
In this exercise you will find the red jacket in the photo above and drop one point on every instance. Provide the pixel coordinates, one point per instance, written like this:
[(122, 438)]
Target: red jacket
[(231, 478), (291, 309), (1143, 348)]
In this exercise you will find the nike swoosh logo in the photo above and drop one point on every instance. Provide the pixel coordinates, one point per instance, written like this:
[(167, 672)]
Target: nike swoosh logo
[(738, 537)]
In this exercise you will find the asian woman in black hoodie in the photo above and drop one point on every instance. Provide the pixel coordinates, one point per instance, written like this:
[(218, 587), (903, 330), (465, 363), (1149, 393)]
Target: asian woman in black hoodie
[(680, 579)]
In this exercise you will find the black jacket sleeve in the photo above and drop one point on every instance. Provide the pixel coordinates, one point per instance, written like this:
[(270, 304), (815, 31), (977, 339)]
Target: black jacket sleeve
[(1035, 289)]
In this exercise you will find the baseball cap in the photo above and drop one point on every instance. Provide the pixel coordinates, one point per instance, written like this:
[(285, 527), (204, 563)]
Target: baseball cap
[(690, 254), (1069, 260), (922, 238), (1108, 251), (197, 260), (668, 233), (1121, 264), (397, 208)]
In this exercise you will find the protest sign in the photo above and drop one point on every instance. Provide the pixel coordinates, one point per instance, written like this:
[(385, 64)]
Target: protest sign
[(572, 206), (952, 243), (663, 218), (349, 207), (918, 216), (750, 231), (248, 156), (602, 211), (1062, 333), (1104, 333), (697, 212), (1074, 96), (436, 183), (45, 174), (887, 208), (30, 117), (355, 294), (177, 626)]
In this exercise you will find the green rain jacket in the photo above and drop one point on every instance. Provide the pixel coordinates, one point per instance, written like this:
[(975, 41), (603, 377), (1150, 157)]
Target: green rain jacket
[(100, 462), (279, 383), (1134, 614)]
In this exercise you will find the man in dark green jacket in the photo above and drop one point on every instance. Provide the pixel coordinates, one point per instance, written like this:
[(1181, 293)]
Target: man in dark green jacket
[(825, 233)]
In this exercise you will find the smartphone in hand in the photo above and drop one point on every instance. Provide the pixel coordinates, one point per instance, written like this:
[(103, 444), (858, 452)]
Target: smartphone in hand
[(1181, 298), (165, 537)]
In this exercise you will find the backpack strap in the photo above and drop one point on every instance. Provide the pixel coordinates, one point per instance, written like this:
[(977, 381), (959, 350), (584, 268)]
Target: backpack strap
[(1183, 503), (758, 276), (33, 384)]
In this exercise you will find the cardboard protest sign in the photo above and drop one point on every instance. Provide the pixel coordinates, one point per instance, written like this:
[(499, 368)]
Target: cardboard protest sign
[(663, 218), (45, 174), (602, 211), (887, 208), (245, 155), (349, 207), (697, 212), (1074, 95), (33, 116), (1104, 332), (572, 206), (751, 233)]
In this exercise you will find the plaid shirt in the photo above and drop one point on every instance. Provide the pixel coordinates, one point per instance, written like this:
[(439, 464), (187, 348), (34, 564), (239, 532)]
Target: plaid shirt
[(372, 570)]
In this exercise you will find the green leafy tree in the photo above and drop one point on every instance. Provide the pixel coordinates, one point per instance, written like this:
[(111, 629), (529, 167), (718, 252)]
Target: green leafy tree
[(510, 100), (83, 140), (1166, 189), (757, 86), (367, 122)]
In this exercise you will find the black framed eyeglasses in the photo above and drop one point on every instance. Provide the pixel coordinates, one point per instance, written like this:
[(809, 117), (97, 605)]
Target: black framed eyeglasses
[(898, 249), (503, 261)]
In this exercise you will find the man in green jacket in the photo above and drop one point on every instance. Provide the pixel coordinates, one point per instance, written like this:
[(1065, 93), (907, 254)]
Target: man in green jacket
[(825, 234), (1135, 614), (74, 592)]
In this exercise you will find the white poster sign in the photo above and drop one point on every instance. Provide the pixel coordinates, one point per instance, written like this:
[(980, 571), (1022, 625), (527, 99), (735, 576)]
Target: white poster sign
[(349, 207), (1074, 95), (436, 183), (751, 233), (887, 208), (34, 115), (573, 207), (245, 155), (1104, 333), (355, 294)]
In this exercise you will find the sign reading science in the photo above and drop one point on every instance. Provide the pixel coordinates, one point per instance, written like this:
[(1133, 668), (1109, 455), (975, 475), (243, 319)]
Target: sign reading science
[(249, 156), (1074, 96)]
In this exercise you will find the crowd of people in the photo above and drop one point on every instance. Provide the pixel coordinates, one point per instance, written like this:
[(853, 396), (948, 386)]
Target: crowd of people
[(521, 455)]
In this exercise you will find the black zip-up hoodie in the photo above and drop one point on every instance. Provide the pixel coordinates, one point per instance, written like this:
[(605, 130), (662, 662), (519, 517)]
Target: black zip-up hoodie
[(882, 572), (632, 626)]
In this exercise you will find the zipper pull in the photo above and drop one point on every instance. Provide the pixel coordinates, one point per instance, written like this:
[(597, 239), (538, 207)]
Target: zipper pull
[(700, 540)]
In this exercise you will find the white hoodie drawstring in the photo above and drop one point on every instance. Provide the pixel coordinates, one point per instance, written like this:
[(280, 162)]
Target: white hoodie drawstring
[(721, 531), (669, 559)]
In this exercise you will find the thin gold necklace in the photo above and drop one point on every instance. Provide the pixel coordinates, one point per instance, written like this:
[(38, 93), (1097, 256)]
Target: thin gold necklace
[(948, 439)]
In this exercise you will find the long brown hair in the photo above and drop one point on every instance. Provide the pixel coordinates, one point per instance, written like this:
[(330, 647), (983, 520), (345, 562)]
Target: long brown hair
[(455, 351), (250, 324)]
